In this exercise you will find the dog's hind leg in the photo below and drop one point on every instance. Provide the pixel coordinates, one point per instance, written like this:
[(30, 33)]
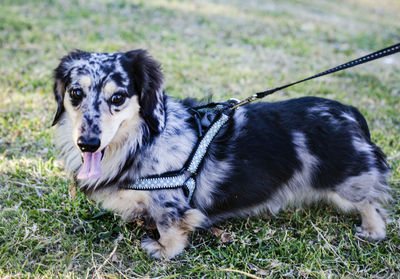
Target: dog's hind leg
[(373, 221), (173, 235), (373, 216), (364, 194)]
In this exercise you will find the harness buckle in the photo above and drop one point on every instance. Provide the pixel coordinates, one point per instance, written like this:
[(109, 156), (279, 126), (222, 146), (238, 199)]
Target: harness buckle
[(188, 174)]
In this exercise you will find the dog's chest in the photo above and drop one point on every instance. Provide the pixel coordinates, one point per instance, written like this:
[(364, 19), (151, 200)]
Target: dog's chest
[(128, 203)]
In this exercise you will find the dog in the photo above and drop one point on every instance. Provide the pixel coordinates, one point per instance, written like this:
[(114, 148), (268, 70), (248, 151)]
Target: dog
[(115, 125)]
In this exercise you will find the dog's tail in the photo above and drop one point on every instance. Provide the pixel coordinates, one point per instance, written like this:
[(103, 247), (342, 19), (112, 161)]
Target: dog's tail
[(380, 156), (362, 122)]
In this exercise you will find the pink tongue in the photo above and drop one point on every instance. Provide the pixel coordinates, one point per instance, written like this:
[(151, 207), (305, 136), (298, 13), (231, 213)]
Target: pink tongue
[(91, 167)]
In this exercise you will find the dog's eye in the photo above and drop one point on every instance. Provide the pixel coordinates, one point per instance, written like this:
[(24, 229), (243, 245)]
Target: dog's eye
[(117, 99), (76, 94)]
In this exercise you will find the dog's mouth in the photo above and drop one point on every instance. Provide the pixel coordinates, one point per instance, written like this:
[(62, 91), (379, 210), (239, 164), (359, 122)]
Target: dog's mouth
[(91, 167)]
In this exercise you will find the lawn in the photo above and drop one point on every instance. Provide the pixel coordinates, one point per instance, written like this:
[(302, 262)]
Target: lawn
[(207, 48)]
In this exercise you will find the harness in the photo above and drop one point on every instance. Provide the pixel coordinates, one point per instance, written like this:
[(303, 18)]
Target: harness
[(186, 177)]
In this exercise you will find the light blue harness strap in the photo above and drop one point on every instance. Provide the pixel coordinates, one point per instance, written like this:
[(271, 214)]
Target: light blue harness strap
[(166, 182), (205, 142), (184, 179), (190, 186)]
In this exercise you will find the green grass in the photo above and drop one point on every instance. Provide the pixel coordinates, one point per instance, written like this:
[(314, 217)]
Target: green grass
[(219, 48)]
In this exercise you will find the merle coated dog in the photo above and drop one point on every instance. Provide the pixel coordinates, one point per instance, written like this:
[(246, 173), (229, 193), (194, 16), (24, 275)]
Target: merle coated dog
[(115, 124)]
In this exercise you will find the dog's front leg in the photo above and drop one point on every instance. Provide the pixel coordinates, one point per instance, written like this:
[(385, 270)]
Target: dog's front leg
[(173, 234)]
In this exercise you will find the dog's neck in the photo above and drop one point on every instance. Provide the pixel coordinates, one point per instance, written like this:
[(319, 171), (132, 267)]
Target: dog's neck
[(135, 154)]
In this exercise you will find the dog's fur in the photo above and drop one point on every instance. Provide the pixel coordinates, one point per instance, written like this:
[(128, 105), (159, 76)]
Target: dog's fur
[(268, 155)]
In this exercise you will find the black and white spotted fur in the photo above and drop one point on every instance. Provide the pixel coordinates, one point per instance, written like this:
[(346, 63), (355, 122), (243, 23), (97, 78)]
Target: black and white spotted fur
[(268, 155)]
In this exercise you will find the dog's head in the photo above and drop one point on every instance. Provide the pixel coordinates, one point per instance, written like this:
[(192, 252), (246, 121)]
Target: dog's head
[(102, 95)]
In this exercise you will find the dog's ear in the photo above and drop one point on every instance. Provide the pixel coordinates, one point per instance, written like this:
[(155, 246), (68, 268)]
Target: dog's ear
[(147, 78), (59, 91)]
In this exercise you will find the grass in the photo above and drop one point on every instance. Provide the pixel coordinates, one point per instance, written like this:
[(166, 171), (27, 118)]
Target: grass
[(220, 48)]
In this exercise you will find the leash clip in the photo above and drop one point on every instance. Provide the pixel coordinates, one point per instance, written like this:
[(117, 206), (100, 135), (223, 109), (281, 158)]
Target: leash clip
[(245, 101)]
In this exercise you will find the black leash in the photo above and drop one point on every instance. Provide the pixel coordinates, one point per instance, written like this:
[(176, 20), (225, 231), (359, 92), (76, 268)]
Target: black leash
[(370, 57)]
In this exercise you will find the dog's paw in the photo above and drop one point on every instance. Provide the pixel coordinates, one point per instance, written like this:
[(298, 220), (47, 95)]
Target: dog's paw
[(370, 233), (153, 248), (157, 251)]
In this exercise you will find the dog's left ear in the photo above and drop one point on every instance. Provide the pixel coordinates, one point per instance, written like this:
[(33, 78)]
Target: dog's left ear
[(147, 79)]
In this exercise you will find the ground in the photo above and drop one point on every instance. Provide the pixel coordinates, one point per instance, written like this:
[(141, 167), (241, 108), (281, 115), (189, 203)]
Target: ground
[(208, 48)]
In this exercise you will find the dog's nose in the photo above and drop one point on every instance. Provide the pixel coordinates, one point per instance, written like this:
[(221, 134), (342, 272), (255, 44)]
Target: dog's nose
[(88, 144)]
